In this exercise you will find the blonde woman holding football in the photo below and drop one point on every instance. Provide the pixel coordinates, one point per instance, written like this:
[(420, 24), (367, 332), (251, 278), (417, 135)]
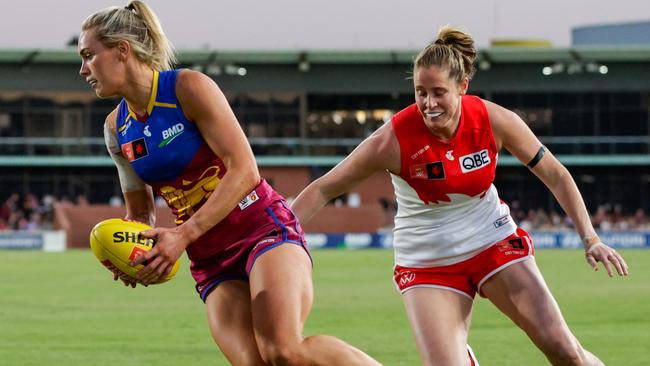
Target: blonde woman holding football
[(453, 237), (174, 133)]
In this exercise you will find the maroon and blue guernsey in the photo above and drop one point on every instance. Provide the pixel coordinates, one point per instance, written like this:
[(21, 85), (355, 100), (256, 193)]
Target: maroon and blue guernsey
[(168, 152)]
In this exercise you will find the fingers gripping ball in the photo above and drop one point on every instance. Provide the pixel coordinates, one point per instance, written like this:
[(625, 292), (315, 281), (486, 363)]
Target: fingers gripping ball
[(115, 242)]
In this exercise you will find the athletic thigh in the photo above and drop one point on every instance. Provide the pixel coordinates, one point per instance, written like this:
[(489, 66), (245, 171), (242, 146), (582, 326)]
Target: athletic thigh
[(229, 317), (440, 322), (281, 295), (520, 292)]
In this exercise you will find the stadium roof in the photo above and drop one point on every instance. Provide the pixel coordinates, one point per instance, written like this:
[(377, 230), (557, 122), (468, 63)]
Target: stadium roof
[(494, 54), (501, 69)]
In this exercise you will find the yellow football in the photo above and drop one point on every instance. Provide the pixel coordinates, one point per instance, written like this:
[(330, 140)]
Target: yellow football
[(115, 242)]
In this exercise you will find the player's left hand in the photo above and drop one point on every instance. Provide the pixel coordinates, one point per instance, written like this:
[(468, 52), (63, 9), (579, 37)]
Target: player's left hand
[(126, 280), (599, 252), (159, 261)]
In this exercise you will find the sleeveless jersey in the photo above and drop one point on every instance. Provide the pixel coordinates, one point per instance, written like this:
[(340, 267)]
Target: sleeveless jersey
[(168, 152), (448, 210)]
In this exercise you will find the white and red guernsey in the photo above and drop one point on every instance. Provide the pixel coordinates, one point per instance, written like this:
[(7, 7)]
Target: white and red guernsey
[(448, 208)]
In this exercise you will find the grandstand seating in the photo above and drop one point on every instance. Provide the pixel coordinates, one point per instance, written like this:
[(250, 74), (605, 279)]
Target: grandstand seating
[(301, 123)]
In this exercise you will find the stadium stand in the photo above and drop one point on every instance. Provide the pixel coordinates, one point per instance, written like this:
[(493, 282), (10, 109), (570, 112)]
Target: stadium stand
[(589, 105)]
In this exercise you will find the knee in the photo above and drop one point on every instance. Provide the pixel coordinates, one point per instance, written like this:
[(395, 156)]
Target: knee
[(281, 354)]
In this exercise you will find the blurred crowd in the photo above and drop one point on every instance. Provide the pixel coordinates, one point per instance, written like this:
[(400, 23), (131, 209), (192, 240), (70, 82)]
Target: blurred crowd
[(607, 217), (31, 213)]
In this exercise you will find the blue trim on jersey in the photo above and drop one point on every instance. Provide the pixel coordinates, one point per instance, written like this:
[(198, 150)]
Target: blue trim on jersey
[(161, 147)]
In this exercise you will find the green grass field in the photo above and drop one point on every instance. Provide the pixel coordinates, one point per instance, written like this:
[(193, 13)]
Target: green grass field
[(64, 309)]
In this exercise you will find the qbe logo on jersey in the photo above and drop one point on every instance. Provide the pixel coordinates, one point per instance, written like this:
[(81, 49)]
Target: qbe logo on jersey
[(474, 161)]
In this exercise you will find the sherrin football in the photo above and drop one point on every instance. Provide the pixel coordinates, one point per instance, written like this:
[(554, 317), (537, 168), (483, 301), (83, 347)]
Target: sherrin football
[(115, 242)]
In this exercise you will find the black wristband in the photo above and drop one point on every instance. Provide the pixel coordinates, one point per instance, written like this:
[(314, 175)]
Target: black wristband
[(531, 164)]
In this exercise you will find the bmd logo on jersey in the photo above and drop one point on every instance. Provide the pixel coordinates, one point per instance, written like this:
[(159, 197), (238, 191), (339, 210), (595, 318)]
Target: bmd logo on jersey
[(474, 161), (171, 133)]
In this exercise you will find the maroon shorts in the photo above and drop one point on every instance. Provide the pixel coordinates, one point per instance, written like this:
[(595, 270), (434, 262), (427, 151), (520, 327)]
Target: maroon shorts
[(467, 277), (276, 226)]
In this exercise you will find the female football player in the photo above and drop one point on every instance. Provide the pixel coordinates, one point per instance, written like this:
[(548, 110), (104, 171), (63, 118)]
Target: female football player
[(453, 236), (174, 133)]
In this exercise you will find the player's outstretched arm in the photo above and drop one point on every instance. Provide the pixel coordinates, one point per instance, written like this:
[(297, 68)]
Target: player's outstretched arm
[(380, 151), (512, 133)]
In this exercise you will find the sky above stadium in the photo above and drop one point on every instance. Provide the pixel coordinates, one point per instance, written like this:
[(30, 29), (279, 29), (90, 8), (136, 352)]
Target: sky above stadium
[(326, 24)]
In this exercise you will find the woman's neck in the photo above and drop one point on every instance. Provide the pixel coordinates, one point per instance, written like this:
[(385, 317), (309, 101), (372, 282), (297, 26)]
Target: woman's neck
[(139, 88)]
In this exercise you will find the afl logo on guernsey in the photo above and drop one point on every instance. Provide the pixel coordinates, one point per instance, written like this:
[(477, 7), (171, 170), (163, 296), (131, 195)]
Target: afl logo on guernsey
[(474, 161)]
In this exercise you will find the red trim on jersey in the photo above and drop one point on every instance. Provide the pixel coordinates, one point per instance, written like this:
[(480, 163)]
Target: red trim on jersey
[(464, 165)]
